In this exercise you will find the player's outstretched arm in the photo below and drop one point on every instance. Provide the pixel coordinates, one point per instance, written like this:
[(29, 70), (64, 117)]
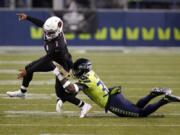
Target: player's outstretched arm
[(23, 16)]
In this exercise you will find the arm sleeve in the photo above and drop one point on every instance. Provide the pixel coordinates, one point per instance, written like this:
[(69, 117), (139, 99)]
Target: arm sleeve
[(35, 21)]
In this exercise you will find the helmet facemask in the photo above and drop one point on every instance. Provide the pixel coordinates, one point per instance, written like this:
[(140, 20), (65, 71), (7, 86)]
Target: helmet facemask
[(81, 67)]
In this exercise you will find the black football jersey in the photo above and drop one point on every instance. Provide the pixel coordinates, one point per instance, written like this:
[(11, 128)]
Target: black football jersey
[(56, 48)]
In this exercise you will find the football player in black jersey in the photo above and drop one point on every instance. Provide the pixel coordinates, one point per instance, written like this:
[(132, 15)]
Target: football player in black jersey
[(56, 50)]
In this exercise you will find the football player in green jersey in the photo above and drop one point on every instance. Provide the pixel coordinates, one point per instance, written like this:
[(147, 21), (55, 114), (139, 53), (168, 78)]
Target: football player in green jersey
[(111, 98)]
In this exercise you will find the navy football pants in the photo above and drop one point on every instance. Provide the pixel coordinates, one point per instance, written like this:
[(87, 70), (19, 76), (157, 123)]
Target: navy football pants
[(122, 107)]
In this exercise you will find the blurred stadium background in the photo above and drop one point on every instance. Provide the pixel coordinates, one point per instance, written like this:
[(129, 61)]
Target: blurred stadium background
[(133, 43)]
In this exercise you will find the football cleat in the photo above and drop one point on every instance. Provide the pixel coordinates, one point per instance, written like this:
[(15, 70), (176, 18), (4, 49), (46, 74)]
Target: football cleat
[(59, 106), (84, 110), (172, 98), (17, 93), (161, 91)]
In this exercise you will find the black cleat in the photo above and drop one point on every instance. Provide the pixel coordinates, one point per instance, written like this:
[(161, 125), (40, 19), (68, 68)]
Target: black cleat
[(161, 91), (172, 98)]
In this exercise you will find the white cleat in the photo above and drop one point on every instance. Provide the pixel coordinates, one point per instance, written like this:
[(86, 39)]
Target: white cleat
[(84, 110), (161, 91), (172, 98), (59, 106), (17, 93)]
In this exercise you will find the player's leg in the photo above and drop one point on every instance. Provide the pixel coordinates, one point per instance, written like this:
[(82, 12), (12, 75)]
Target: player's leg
[(65, 96), (153, 107), (122, 107), (45, 67), (153, 93), (21, 92)]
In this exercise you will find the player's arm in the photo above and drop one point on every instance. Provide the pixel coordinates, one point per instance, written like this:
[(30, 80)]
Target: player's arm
[(23, 16), (67, 84)]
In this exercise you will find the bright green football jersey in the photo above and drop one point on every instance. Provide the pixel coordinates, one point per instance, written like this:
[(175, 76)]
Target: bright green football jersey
[(96, 90)]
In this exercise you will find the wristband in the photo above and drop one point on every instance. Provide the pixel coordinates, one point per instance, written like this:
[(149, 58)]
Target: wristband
[(66, 84), (60, 77), (58, 74), (76, 88)]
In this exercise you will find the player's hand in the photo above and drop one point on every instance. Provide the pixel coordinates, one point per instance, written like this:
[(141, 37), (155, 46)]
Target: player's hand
[(22, 16), (22, 73)]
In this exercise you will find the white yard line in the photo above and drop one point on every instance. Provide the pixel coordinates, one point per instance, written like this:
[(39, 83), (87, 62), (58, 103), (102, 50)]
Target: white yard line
[(89, 125), (33, 104), (37, 82), (52, 96), (40, 96), (71, 113), (8, 71), (63, 113), (114, 71), (16, 71), (14, 62), (24, 62), (63, 134), (114, 76), (100, 49), (52, 82)]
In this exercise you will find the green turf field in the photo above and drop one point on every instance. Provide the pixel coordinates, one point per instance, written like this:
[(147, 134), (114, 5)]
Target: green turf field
[(137, 73)]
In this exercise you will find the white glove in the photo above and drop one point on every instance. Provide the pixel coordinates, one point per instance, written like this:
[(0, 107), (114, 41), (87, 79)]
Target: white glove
[(58, 74), (56, 71), (59, 106)]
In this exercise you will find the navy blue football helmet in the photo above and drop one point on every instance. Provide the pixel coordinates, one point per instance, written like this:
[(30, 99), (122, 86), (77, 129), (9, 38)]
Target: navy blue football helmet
[(81, 66)]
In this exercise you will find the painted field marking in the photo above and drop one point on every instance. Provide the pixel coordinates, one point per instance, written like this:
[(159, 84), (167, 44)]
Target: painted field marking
[(71, 113), (65, 134), (52, 96), (115, 71), (52, 82), (115, 76), (37, 82), (39, 96), (16, 71), (89, 125), (14, 62), (8, 71), (33, 104), (63, 113)]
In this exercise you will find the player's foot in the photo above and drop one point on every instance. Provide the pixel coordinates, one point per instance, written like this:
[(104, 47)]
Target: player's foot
[(84, 110), (172, 98), (59, 106), (161, 91), (17, 93)]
